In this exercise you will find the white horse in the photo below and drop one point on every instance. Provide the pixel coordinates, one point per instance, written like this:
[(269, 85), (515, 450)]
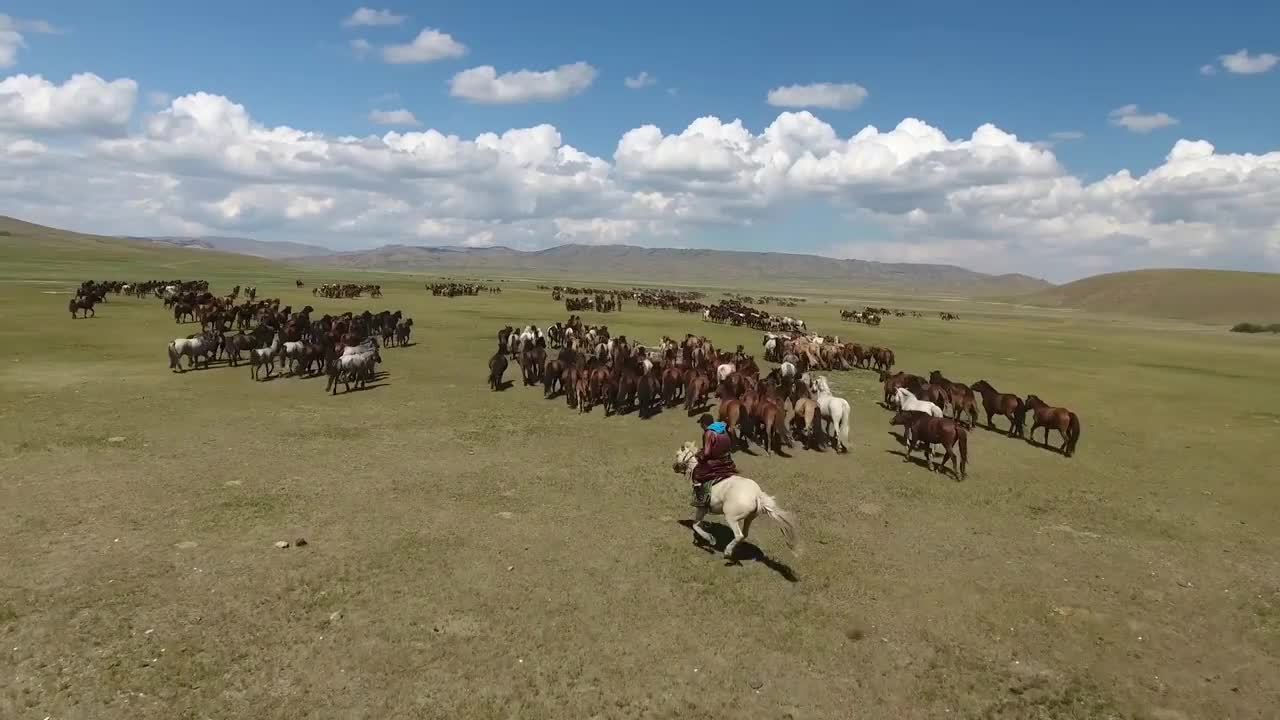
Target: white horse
[(835, 412), (725, 371), (194, 348), (907, 401), (787, 369), (264, 356), (739, 499), (292, 354)]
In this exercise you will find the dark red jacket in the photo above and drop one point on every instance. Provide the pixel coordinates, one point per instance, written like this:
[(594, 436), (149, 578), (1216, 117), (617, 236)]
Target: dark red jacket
[(715, 459)]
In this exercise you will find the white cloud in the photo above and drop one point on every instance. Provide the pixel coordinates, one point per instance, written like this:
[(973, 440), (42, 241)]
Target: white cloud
[(483, 84), (482, 239), (368, 17), (989, 199), (85, 103), (430, 45), (1242, 63), (393, 117), (635, 82), (1129, 118), (360, 47), (1208, 70), (842, 96), (12, 40)]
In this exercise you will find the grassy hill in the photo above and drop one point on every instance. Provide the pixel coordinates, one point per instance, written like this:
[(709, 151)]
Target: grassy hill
[(1211, 296), (274, 250), (656, 265), (29, 251)]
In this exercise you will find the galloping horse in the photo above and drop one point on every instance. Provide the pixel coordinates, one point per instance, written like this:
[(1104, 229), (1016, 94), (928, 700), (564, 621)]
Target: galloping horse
[(83, 304), (835, 411), (739, 499), (1060, 419)]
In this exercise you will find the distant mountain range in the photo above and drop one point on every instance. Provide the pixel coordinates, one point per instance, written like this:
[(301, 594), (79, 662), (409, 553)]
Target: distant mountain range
[(241, 246), (626, 263), (658, 264)]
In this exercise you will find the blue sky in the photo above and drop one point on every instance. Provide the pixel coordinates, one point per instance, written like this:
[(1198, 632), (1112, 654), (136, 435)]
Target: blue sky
[(1030, 69)]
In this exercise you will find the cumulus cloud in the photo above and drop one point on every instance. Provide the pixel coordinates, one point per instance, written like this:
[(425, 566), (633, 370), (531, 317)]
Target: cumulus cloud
[(988, 199), (1129, 118), (429, 46), (84, 103), (842, 96), (1242, 63), (635, 82), (393, 117), (483, 84), (368, 17)]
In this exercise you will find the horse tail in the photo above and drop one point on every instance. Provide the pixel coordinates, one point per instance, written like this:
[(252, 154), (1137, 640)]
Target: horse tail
[(963, 437), (766, 505), (1073, 433), (843, 429), (173, 355)]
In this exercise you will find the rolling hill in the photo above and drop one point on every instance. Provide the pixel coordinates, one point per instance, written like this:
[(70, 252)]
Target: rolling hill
[(243, 246), (656, 265), (1211, 296), (31, 251)]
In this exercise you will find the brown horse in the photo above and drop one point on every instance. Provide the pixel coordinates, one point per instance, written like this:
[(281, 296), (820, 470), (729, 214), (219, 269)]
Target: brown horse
[(82, 304), (731, 415), (1046, 416), (922, 428), (695, 392), (960, 395), (998, 403), (497, 366)]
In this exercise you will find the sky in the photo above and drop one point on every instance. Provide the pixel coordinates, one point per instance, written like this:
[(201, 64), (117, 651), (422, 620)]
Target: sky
[(1057, 142)]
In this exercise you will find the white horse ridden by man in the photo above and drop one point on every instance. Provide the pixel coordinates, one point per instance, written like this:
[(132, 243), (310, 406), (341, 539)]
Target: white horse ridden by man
[(835, 411), (739, 500), (908, 401)]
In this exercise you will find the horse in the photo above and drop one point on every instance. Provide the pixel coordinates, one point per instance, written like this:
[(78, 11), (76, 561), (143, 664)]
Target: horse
[(497, 366), (264, 356), (194, 347), (357, 367), (739, 500), (995, 403), (919, 427), (1046, 416), (82, 304), (907, 401), (835, 411)]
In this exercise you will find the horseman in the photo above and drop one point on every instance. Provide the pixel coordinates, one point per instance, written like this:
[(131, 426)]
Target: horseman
[(715, 460)]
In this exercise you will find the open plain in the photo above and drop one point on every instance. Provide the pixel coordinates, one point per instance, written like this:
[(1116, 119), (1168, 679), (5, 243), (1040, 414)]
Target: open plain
[(481, 554)]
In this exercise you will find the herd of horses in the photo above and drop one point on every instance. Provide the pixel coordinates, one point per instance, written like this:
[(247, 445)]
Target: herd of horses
[(344, 348), (344, 291), (765, 300), (588, 366), (461, 289)]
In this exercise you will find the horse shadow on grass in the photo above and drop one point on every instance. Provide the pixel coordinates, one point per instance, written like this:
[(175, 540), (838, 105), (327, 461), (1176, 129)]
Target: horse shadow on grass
[(746, 549)]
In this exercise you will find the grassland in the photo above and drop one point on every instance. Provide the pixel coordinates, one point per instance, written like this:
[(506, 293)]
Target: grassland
[(1211, 296), (477, 554)]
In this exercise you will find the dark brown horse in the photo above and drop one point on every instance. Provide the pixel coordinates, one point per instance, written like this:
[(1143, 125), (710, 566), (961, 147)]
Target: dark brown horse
[(83, 304), (1048, 417), (998, 403), (960, 395), (922, 428), (497, 366)]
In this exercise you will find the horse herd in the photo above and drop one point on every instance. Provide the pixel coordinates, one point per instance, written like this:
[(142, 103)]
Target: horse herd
[(456, 289), (588, 366), (344, 290), (345, 348)]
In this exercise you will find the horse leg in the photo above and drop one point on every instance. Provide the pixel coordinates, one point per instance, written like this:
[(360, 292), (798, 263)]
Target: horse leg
[(701, 536), (738, 535)]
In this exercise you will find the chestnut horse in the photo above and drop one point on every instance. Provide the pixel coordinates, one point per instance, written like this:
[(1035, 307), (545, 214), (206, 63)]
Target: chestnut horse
[(1063, 420), (923, 428), (998, 403)]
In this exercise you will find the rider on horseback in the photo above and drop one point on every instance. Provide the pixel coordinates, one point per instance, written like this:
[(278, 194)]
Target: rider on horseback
[(715, 460)]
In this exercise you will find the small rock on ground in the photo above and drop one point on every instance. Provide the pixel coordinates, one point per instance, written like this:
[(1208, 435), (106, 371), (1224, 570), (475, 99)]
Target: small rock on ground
[(282, 544), (300, 542), (335, 616), (117, 439)]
